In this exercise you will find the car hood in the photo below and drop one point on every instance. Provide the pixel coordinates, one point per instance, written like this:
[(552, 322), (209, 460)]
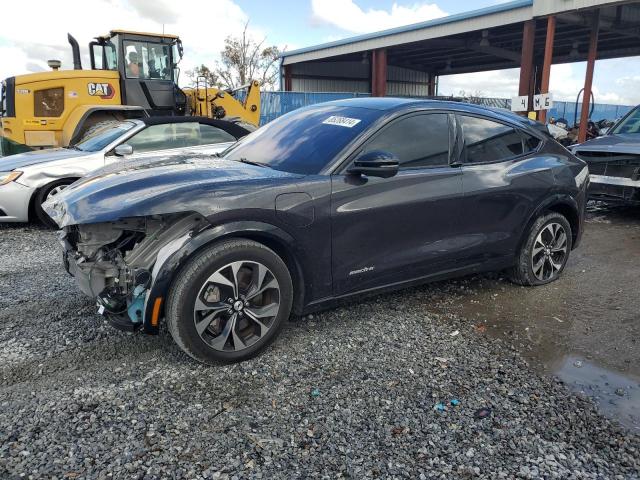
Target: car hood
[(159, 185), (617, 143), (21, 160)]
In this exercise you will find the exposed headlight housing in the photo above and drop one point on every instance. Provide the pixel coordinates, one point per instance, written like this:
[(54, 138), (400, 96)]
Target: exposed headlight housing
[(6, 177)]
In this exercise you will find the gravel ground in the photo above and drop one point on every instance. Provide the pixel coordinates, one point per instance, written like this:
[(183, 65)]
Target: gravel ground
[(346, 393)]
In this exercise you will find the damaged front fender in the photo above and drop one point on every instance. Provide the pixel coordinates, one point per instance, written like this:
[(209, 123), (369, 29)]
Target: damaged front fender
[(175, 254), (117, 262)]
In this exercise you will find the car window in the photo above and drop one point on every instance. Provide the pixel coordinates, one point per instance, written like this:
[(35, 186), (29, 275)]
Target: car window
[(418, 141), (178, 135), (489, 141), (210, 134), (306, 140), (530, 142), (147, 60), (155, 137), (629, 124), (100, 136)]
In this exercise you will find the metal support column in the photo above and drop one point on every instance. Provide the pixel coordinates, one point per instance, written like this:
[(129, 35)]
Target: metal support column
[(526, 61), (588, 79), (379, 72), (431, 86), (288, 82), (546, 66)]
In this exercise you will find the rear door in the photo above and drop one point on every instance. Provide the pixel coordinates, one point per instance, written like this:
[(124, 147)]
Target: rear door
[(387, 230), (498, 190)]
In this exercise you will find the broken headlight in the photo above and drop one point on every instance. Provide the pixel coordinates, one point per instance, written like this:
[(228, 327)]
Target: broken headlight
[(7, 177)]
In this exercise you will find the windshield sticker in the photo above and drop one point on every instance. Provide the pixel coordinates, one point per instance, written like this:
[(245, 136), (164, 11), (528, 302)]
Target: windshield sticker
[(342, 121)]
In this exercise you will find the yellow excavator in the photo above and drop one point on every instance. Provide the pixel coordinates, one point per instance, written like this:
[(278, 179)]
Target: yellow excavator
[(132, 74)]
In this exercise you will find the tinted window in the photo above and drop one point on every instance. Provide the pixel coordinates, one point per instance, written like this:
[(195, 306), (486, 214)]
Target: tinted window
[(488, 141), (530, 142), (417, 141), (210, 134), (630, 124), (305, 140)]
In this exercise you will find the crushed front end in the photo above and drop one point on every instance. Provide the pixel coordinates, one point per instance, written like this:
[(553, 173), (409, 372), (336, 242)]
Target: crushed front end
[(117, 263), (614, 175)]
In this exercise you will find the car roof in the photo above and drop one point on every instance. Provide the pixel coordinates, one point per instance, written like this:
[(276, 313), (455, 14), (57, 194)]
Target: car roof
[(233, 128), (396, 104)]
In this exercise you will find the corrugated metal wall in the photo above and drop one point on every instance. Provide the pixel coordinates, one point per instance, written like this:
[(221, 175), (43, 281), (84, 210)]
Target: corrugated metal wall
[(406, 82), (353, 77), (331, 77)]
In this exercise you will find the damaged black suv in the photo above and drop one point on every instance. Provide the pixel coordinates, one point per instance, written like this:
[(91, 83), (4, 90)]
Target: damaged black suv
[(327, 202)]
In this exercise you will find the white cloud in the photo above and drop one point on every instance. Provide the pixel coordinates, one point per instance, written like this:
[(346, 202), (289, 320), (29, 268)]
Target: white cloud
[(345, 14), (27, 41), (565, 82), (495, 84)]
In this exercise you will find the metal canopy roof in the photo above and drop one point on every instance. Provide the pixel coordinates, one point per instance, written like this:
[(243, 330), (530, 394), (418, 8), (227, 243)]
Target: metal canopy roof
[(490, 39)]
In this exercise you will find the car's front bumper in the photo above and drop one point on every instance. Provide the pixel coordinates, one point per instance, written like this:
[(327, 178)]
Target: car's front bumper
[(614, 189), (14, 202)]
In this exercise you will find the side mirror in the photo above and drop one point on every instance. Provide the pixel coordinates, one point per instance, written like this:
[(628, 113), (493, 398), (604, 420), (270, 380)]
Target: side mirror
[(123, 150), (376, 163)]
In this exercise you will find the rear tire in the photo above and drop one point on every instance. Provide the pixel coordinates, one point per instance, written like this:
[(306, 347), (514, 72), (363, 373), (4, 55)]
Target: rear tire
[(544, 254), (229, 302), (46, 192)]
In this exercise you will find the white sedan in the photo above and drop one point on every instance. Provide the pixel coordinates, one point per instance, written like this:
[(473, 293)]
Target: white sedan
[(29, 179)]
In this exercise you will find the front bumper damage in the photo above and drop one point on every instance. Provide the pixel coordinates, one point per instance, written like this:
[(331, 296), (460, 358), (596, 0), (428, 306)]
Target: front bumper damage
[(117, 263), (615, 189), (614, 174)]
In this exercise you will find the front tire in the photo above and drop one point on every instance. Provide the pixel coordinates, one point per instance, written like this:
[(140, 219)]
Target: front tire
[(229, 302), (45, 193), (544, 254)]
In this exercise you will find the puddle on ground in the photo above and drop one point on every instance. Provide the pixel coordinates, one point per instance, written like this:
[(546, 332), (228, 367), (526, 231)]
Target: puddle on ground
[(589, 317), (617, 396)]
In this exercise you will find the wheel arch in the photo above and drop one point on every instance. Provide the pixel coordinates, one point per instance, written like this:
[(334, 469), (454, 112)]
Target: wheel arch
[(269, 235), (34, 194), (79, 118), (562, 204)]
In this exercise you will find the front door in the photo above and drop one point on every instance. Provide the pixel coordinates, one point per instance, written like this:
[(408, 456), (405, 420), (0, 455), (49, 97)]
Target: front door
[(148, 77), (400, 228)]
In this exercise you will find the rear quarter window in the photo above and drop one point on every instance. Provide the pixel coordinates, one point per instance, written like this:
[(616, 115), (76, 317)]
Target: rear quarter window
[(488, 141)]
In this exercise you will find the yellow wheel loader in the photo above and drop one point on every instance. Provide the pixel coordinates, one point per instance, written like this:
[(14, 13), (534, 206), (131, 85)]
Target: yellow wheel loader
[(132, 74)]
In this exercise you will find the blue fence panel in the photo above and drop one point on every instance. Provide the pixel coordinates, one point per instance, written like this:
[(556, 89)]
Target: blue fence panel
[(601, 111), (275, 104)]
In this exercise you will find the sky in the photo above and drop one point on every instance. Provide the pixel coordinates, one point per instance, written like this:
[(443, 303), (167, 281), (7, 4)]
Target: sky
[(27, 40)]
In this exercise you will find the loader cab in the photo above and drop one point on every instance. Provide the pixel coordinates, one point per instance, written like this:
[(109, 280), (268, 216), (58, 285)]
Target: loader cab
[(148, 67)]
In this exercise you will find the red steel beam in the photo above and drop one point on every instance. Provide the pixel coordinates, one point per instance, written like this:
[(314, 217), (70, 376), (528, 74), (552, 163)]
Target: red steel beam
[(288, 82), (548, 58), (379, 72), (588, 78), (526, 60)]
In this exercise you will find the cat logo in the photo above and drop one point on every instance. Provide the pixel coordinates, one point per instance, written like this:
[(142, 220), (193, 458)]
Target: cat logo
[(102, 90)]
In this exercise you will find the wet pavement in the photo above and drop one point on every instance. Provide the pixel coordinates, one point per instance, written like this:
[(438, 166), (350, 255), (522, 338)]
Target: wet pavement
[(584, 328)]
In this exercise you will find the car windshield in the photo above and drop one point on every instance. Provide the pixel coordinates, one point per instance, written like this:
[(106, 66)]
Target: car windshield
[(629, 124), (305, 140), (102, 135)]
